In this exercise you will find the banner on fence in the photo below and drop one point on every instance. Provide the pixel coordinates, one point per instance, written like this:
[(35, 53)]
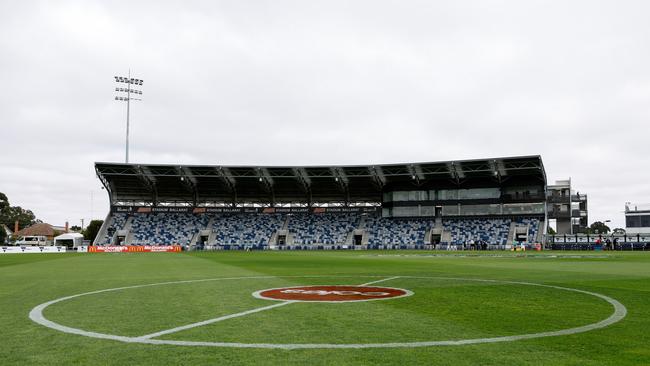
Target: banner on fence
[(31, 250), (134, 249)]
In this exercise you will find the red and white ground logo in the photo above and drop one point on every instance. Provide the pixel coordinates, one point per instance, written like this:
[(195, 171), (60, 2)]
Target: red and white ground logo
[(331, 293)]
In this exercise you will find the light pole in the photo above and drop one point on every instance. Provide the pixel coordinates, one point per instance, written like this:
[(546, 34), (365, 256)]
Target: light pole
[(128, 81)]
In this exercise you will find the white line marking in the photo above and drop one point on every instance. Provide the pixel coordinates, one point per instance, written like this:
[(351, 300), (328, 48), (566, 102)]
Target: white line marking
[(382, 280), (36, 315), (210, 321)]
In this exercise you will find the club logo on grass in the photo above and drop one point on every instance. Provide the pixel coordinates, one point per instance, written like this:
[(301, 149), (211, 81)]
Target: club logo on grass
[(331, 293)]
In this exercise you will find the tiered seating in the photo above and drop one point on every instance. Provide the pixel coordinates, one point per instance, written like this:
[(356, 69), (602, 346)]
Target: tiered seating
[(306, 230), (324, 228), (246, 229), (492, 231), (118, 220), (397, 231), (168, 228)]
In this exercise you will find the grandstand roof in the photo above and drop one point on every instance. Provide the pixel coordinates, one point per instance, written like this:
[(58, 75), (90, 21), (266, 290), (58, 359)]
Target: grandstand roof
[(202, 184)]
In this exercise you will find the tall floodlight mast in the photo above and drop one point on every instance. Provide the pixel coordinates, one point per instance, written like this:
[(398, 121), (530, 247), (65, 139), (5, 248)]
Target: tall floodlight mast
[(129, 81)]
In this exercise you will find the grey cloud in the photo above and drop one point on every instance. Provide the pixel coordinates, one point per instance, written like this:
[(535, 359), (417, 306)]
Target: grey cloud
[(294, 82)]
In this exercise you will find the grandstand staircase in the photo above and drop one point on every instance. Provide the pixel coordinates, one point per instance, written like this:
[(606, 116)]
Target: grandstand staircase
[(207, 231), (126, 232), (360, 230), (518, 230), (511, 232), (438, 229), (540, 232), (273, 241), (101, 234)]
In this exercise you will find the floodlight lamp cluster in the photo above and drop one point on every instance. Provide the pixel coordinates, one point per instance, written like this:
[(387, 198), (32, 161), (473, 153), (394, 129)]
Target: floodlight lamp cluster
[(127, 98), (130, 81), (121, 79), (125, 90)]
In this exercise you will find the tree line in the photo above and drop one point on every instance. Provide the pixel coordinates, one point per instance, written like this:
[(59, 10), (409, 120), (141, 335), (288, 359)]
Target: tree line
[(10, 214)]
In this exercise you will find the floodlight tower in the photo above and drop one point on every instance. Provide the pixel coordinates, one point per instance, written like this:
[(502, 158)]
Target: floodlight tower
[(128, 81)]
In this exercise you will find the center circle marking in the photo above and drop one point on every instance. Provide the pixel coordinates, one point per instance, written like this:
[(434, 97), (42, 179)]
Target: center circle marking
[(620, 311), (331, 293)]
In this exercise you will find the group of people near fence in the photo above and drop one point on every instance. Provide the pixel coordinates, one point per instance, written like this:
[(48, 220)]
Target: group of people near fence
[(607, 244)]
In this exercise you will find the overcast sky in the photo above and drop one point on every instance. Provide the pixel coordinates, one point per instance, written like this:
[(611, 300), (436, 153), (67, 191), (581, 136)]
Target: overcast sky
[(323, 82)]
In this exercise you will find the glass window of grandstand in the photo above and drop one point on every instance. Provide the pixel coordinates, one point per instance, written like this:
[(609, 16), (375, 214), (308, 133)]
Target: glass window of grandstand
[(494, 209), (406, 211), (402, 196), (527, 192), (479, 193), (523, 208), (448, 194), (451, 210), (645, 221), (637, 221), (427, 211)]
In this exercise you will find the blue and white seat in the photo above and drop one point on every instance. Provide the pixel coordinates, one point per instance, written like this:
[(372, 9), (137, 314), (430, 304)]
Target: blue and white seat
[(492, 231), (246, 229), (166, 229), (397, 231), (322, 228)]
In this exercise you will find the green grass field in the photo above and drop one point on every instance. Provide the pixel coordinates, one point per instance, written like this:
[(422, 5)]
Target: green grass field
[(447, 304)]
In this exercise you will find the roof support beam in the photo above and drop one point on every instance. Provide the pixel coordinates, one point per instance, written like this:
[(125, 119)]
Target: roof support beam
[(455, 172), (149, 180), (189, 182), (342, 179), (265, 177), (305, 181), (226, 176), (378, 176), (416, 173), (108, 185), (496, 171)]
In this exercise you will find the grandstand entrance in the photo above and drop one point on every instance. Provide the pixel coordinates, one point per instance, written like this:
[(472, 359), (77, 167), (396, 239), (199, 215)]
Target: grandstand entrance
[(282, 239), (203, 239), (435, 239), (358, 239)]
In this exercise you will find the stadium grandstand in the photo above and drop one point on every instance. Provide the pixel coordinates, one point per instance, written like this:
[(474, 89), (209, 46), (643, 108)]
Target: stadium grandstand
[(484, 203)]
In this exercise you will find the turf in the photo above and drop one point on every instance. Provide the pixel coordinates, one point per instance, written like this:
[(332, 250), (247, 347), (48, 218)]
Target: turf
[(440, 309)]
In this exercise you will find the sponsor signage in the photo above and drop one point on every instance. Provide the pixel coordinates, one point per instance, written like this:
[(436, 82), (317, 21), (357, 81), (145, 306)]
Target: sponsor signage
[(31, 250), (265, 210), (134, 249), (337, 293)]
